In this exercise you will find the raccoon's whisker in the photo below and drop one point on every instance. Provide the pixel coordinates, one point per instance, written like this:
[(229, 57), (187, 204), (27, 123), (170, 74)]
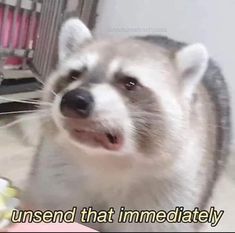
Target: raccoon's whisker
[(23, 119), (26, 101), (43, 83), (53, 93), (38, 102), (23, 111)]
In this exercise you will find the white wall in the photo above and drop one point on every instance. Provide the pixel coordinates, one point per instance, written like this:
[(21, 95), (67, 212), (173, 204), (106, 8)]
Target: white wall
[(211, 22)]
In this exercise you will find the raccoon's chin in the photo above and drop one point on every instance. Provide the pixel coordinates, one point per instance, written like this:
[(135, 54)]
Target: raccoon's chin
[(108, 140)]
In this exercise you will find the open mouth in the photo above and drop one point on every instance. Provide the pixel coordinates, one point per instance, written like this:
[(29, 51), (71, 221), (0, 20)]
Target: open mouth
[(108, 140)]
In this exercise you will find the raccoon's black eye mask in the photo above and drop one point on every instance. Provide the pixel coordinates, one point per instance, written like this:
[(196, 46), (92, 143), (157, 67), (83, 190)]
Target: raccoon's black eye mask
[(74, 74), (127, 82)]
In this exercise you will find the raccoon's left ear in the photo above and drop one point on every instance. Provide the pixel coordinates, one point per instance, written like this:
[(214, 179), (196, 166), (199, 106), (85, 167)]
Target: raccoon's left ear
[(72, 35), (192, 62)]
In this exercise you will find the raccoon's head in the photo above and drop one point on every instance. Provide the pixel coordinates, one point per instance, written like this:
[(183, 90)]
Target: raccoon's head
[(124, 96)]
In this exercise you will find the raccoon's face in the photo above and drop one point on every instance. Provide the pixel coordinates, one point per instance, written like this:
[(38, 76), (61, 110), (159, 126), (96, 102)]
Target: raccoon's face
[(122, 96)]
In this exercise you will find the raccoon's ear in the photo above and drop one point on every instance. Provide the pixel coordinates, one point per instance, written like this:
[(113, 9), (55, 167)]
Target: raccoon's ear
[(72, 35), (192, 62)]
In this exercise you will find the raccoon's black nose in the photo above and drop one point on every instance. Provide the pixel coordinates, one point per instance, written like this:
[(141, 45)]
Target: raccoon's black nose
[(77, 103)]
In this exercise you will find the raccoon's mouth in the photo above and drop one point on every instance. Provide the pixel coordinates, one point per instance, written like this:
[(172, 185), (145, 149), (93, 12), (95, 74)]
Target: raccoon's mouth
[(108, 140)]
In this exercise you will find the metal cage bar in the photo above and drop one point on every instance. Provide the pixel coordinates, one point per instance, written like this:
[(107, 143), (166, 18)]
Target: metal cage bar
[(48, 30), (16, 37), (13, 28), (3, 26), (29, 30)]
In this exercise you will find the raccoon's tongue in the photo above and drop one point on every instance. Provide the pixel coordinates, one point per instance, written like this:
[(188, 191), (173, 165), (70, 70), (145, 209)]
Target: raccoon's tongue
[(109, 141)]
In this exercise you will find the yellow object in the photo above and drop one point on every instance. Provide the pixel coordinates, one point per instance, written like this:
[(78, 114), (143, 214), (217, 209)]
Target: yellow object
[(11, 192), (8, 202)]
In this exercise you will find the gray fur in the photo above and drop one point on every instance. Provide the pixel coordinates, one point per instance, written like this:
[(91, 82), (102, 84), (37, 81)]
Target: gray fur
[(141, 183), (215, 83)]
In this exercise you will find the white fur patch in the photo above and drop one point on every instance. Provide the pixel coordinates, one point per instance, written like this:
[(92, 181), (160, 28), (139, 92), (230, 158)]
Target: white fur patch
[(111, 111), (77, 62), (114, 66), (73, 34), (192, 62)]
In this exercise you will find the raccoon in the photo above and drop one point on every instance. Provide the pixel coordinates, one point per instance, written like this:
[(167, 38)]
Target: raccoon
[(140, 122)]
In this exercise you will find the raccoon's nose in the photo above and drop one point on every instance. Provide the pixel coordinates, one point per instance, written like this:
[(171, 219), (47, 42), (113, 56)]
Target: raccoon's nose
[(77, 103)]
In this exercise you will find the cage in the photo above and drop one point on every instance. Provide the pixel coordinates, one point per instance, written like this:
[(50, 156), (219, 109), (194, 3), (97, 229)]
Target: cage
[(28, 42)]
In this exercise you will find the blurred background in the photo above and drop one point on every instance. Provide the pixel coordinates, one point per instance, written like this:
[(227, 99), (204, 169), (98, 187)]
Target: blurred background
[(28, 52)]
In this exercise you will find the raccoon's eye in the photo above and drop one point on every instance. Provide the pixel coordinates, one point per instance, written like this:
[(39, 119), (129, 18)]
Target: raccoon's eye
[(74, 75), (130, 83)]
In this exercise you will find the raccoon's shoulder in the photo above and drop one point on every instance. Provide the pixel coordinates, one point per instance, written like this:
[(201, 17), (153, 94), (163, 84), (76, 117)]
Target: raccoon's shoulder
[(217, 88)]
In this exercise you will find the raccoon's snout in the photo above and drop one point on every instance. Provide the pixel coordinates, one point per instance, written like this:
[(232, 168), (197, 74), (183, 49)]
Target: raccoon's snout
[(77, 103)]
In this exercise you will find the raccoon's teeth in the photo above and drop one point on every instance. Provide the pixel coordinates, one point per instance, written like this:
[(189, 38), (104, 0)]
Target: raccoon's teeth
[(112, 138)]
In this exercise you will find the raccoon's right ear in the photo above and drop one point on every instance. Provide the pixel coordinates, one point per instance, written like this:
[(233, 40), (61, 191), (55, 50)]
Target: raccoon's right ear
[(192, 62), (72, 35)]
